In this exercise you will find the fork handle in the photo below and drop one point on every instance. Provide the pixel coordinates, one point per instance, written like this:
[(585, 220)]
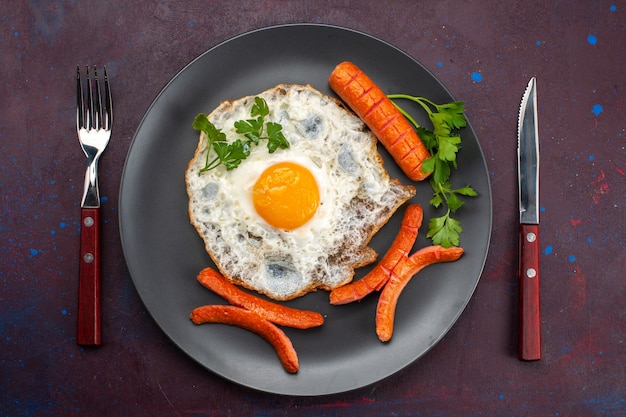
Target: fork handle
[(89, 321)]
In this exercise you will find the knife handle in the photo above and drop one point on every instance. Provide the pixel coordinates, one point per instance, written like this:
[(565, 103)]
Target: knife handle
[(530, 318), (89, 321)]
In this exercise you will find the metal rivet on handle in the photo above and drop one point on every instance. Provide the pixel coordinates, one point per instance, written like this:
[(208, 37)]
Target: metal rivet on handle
[(531, 237), (88, 258), (88, 221), (531, 273)]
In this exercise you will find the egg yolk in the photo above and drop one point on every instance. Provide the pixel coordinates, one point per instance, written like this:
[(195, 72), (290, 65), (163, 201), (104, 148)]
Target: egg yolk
[(286, 195)]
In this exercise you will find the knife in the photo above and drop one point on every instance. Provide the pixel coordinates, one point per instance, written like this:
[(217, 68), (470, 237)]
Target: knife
[(528, 176)]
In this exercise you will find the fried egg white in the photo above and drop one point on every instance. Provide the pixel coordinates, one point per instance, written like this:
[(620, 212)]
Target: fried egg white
[(354, 197)]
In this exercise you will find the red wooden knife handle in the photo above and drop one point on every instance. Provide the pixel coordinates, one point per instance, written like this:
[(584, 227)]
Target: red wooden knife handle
[(89, 279), (530, 317)]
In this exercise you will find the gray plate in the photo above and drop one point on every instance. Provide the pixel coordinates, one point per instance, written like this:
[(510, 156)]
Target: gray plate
[(164, 253)]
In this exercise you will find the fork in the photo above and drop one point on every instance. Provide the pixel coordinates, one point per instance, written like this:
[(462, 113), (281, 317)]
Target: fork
[(93, 124)]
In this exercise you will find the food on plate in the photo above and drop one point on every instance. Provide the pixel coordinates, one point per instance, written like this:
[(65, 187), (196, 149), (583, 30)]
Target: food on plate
[(274, 312), (371, 104), (443, 144), (394, 271), (420, 152), (253, 130), (249, 320), (253, 313), (400, 276), (294, 245), (378, 276)]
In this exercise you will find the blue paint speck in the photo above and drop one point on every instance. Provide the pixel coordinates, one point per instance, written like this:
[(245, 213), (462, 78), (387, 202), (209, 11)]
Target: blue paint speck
[(439, 64), (64, 312), (592, 40), (104, 199), (538, 43), (589, 240), (548, 250), (591, 157), (477, 77), (63, 225), (571, 258), (613, 8), (16, 33), (501, 396), (597, 109), (34, 252)]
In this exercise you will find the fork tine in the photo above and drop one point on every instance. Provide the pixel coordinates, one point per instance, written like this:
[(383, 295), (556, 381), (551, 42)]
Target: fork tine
[(108, 109), (89, 114), (80, 105), (97, 103)]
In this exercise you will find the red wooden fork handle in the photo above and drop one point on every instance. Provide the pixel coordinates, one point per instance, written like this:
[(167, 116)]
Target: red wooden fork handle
[(89, 321)]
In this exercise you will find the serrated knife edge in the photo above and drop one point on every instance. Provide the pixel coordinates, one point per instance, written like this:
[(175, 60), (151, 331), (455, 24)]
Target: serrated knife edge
[(528, 155)]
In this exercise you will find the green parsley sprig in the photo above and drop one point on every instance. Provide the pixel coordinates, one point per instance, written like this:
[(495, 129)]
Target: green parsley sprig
[(443, 145), (254, 130)]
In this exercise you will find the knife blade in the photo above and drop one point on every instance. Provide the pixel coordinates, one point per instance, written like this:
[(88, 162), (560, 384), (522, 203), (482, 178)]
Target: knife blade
[(528, 177)]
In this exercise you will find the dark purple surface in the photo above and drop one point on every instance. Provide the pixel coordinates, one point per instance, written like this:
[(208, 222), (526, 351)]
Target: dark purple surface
[(483, 51)]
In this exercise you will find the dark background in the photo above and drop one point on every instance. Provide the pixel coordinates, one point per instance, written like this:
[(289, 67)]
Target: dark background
[(484, 51)]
